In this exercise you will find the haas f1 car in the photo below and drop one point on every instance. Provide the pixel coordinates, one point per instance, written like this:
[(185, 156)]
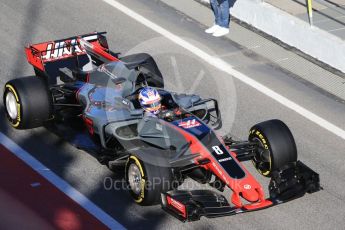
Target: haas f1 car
[(81, 85)]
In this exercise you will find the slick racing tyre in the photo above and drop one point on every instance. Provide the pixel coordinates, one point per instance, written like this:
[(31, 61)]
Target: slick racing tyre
[(277, 146), (146, 182), (27, 102)]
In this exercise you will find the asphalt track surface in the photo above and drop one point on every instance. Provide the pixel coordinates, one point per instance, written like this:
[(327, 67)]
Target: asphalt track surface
[(34, 21)]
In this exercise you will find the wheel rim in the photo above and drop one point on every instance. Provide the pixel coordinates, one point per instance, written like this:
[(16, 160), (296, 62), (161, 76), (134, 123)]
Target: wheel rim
[(135, 178), (11, 105)]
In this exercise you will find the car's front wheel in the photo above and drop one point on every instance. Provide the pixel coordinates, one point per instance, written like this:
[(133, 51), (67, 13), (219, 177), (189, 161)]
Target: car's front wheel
[(276, 146), (146, 182)]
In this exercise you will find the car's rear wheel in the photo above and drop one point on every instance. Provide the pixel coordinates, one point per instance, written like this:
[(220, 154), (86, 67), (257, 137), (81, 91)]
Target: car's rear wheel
[(146, 182), (277, 146), (27, 102)]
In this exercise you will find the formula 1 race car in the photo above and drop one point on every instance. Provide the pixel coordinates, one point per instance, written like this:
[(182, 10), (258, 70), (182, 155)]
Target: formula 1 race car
[(82, 87)]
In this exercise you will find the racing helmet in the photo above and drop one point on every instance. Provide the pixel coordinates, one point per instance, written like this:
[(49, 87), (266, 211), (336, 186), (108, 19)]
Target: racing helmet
[(150, 100)]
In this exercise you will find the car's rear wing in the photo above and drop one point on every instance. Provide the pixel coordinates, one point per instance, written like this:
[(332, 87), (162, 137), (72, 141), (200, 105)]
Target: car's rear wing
[(43, 53)]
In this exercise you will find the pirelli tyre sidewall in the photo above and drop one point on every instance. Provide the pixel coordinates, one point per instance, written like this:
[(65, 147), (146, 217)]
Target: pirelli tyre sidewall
[(278, 143), (10, 91), (31, 101), (151, 181)]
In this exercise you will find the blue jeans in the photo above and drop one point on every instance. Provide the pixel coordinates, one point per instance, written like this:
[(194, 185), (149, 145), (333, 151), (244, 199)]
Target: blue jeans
[(221, 13)]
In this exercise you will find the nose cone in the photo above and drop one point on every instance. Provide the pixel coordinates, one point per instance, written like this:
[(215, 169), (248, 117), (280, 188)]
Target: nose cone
[(249, 193)]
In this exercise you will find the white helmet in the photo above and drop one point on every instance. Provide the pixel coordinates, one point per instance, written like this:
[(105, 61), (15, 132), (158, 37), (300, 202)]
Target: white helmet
[(150, 100)]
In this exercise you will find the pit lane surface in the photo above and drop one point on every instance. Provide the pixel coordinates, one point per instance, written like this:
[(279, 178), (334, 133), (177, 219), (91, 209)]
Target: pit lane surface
[(38, 202), (242, 106)]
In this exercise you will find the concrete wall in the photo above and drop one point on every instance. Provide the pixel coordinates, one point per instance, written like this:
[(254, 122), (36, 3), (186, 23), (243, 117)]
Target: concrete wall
[(292, 31)]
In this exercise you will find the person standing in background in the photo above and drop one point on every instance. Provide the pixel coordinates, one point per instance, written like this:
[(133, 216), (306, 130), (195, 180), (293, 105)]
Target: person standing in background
[(221, 10)]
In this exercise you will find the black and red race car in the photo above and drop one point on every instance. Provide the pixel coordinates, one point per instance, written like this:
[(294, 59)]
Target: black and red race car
[(90, 94)]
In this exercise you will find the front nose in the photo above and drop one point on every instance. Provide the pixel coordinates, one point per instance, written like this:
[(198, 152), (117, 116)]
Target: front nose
[(250, 194)]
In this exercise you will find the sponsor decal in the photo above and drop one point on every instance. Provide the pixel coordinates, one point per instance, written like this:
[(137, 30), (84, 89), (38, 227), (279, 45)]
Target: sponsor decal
[(225, 159), (220, 172), (261, 137), (63, 49), (18, 120), (247, 186), (189, 124), (177, 205), (142, 192)]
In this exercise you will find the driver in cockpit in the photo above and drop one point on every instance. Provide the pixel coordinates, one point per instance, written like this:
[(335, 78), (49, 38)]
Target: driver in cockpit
[(150, 101)]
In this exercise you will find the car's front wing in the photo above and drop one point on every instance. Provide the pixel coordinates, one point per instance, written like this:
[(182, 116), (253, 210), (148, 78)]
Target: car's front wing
[(290, 182)]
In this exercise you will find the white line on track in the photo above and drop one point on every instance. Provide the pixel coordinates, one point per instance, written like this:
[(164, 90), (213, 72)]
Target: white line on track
[(227, 68), (60, 183)]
